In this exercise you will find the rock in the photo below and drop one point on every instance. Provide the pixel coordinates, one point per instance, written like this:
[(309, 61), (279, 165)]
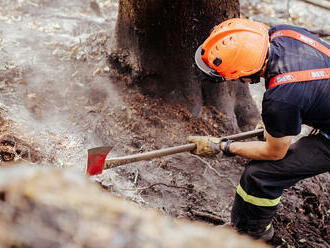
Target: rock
[(42, 207)]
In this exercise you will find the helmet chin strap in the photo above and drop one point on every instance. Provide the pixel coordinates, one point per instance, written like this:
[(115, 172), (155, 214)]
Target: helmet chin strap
[(255, 78)]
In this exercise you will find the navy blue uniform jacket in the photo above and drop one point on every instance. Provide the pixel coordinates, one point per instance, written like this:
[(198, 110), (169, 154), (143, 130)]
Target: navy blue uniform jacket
[(286, 107)]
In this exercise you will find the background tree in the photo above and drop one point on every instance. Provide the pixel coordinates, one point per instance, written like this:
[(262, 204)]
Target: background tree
[(155, 45)]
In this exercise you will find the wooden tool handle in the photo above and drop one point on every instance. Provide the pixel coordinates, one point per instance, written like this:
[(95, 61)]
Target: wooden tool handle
[(114, 162)]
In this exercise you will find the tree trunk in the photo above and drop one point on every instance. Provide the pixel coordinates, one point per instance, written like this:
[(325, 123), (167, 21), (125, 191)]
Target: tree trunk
[(156, 43)]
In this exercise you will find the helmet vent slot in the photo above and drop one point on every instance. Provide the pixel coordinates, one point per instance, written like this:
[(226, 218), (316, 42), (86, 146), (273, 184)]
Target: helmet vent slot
[(217, 61), (234, 72)]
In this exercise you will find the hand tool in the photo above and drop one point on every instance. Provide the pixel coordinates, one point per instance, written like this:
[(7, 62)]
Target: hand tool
[(97, 157)]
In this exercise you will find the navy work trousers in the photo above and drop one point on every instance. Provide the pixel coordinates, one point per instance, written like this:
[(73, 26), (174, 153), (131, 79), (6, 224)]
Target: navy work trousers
[(263, 182)]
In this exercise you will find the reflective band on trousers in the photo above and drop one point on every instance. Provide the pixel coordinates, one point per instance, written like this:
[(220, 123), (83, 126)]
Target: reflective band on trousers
[(262, 202)]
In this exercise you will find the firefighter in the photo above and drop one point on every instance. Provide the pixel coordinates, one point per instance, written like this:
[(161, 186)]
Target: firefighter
[(295, 65)]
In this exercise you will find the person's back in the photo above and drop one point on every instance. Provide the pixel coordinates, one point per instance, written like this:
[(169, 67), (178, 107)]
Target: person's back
[(287, 106)]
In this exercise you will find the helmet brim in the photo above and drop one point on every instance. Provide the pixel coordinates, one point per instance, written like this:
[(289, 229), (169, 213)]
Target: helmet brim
[(204, 67)]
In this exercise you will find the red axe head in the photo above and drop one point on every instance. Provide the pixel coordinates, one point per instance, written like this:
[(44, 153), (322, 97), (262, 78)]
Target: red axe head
[(96, 159)]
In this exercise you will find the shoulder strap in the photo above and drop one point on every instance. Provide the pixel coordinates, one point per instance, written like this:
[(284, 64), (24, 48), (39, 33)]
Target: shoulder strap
[(303, 38), (300, 76)]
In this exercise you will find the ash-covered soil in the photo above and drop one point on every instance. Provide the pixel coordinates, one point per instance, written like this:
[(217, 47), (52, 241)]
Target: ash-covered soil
[(59, 97)]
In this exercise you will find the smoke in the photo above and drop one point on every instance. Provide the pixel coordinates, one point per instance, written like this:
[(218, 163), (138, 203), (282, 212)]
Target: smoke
[(54, 73)]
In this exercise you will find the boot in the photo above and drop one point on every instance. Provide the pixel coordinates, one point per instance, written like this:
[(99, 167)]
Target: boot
[(266, 235)]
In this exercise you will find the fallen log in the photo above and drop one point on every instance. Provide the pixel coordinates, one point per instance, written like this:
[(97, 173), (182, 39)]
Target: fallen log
[(59, 208), (274, 21), (325, 4)]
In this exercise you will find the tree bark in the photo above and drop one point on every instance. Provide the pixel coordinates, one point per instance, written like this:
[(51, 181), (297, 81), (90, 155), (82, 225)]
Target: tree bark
[(155, 45)]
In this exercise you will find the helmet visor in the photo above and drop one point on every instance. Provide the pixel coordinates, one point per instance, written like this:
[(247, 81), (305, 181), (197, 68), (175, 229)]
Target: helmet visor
[(204, 67)]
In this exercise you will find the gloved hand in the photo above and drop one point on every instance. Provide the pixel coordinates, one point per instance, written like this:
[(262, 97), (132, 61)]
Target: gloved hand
[(206, 145), (261, 125)]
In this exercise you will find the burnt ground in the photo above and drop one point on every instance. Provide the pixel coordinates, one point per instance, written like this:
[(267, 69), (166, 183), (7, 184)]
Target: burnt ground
[(59, 97)]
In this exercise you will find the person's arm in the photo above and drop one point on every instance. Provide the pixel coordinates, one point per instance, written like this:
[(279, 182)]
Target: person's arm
[(271, 149)]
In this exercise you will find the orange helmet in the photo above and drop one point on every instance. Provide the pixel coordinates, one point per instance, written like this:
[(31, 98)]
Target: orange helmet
[(235, 48)]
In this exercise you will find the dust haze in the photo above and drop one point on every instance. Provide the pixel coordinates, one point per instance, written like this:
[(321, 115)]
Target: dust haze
[(54, 76)]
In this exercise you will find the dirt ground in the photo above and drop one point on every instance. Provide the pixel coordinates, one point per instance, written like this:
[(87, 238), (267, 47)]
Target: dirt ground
[(59, 97)]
